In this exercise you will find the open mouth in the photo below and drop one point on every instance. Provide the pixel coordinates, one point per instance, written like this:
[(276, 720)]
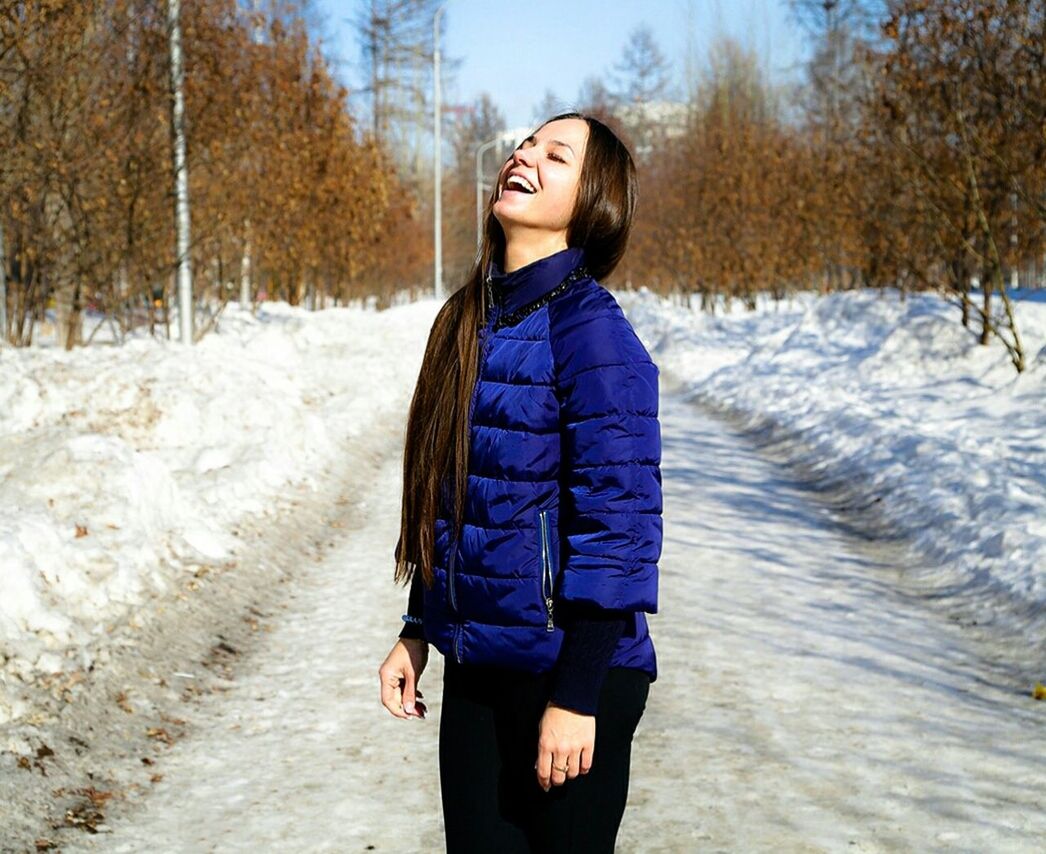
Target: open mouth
[(516, 184)]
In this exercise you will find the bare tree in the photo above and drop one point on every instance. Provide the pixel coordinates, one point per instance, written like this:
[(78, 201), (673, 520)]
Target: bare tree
[(594, 97), (480, 124), (395, 38), (642, 74), (550, 105), (641, 84), (841, 30)]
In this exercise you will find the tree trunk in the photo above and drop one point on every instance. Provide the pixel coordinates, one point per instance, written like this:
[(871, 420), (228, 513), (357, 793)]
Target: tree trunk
[(245, 268), (3, 285), (986, 285), (181, 174)]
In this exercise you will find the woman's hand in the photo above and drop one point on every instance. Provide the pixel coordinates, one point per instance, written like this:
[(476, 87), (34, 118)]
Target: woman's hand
[(565, 739), (399, 675)]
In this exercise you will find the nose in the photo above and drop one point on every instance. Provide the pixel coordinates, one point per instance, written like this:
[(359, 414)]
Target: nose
[(519, 157)]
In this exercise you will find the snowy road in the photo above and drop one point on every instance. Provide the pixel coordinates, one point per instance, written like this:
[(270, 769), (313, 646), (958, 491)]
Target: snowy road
[(805, 700)]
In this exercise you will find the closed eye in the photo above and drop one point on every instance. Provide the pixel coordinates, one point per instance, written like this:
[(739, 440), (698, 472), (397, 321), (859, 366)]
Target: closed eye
[(550, 154)]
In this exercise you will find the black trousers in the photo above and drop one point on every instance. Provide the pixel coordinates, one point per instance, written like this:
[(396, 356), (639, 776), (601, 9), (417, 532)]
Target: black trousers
[(488, 733)]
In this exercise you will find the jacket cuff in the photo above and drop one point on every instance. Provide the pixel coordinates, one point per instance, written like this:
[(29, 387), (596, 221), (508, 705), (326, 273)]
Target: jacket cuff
[(612, 587)]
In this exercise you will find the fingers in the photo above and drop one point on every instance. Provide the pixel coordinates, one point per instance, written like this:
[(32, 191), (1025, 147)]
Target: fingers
[(558, 775), (392, 679), (399, 691), (398, 676), (408, 693), (554, 768), (419, 705), (543, 766), (570, 761), (585, 762), (391, 695)]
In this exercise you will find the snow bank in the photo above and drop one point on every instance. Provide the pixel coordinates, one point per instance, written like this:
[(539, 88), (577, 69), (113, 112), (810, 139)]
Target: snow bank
[(122, 467), (895, 398)]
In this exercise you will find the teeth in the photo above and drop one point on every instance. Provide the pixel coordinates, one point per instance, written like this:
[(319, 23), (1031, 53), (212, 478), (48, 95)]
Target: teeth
[(523, 182)]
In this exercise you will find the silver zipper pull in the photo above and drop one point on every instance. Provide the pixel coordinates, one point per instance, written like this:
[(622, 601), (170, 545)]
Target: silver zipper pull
[(549, 625)]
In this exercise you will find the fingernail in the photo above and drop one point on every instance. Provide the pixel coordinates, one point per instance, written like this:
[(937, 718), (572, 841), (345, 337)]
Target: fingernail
[(409, 708)]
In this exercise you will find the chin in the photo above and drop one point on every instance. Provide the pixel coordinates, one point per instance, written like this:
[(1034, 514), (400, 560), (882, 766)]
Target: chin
[(507, 219)]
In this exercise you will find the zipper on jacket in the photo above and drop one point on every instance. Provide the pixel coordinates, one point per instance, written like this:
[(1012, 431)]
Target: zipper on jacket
[(450, 574), (546, 569), (484, 335), (456, 637)]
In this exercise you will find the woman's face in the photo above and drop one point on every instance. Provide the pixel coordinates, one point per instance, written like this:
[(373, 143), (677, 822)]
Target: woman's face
[(550, 160)]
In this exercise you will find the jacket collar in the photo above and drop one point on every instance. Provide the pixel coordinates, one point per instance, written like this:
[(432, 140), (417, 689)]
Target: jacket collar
[(532, 281)]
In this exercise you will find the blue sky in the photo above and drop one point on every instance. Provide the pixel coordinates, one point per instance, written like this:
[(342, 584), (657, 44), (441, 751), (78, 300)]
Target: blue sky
[(517, 50)]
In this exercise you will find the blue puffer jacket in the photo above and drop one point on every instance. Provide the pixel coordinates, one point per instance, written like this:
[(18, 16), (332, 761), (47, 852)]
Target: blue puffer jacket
[(563, 499)]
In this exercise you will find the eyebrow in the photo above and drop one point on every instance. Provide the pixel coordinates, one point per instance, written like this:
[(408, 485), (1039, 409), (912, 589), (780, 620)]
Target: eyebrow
[(531, 138)]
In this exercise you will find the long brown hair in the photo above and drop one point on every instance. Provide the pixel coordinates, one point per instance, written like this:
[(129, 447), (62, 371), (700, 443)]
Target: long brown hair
[(436, 449)]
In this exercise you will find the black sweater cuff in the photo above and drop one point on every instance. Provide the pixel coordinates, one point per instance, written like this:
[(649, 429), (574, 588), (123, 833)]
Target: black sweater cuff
[(415, 607), (590, 637)]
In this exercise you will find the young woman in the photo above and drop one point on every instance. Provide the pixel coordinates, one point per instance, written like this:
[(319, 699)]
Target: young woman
[(531, 520)]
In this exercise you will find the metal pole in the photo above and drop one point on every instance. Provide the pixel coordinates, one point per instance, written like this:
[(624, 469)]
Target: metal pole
[(437, 164)]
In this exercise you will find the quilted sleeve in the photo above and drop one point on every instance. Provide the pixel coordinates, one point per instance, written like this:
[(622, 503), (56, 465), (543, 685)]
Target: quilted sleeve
[(610, 522)]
